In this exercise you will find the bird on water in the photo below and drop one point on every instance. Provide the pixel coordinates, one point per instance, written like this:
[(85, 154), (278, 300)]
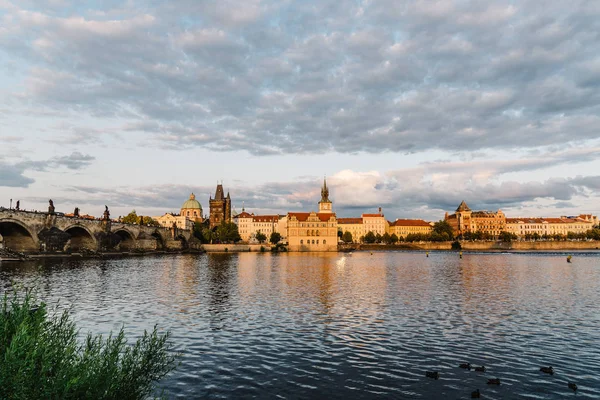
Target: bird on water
[(572, 386), (432, 374), (494, 381), (547, 370), (480, 369), (476, 394), (465, 366)]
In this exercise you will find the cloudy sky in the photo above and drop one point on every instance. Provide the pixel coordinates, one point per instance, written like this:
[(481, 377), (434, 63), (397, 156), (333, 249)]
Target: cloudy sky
[(407, 105)]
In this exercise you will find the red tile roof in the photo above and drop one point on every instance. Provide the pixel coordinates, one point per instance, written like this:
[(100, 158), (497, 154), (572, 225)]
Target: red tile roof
[(303, 216), (244, 214), (372, 215), (265, 218), (349, 220), (410, 222)]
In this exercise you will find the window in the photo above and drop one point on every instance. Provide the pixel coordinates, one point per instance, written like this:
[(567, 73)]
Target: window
[(301, 241), (324, 242)]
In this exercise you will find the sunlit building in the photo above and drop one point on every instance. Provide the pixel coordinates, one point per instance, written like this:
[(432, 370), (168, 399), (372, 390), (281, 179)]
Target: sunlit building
[(404, 227), (464, 221), (191, 208), (354, 226), (313, 231), (544, 227)]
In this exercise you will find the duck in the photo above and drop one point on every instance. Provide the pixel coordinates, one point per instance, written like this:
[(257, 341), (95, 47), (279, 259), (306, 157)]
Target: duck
[(569, 258), (494, 381), (547, 370), (432, 374), (480, 369), (465, 366), (572, 386), (476, 394)]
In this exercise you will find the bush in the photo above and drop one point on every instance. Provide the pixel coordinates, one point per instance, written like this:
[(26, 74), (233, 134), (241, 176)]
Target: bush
[(41, 358)]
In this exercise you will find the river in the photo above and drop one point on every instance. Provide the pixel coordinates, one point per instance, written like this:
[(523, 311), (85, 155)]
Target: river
[(358, 325)]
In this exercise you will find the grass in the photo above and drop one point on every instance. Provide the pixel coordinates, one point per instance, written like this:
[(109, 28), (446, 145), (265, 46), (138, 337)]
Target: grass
[(41, 358)]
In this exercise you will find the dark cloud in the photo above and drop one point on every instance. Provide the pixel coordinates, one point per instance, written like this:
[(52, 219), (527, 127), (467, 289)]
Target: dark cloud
[(75, 161), (12, 176), (299, 77)]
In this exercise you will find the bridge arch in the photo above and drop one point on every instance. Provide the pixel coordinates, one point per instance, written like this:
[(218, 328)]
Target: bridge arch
[(17, 236), (126, 239), (81, 238)]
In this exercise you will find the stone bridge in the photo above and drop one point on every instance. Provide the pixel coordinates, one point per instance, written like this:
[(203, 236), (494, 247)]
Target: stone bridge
[(33, 232)]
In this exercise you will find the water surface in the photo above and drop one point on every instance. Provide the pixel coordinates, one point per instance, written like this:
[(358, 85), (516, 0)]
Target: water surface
[(347, 325)]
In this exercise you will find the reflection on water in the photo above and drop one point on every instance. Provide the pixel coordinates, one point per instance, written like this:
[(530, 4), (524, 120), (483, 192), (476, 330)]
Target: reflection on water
[(347, 325)]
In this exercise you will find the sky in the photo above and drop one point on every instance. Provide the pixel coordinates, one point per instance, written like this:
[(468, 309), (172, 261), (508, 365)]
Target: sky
[(411, 106)]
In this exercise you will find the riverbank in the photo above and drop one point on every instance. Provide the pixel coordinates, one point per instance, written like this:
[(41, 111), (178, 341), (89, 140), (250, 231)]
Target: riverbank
[(477, 246), (18, 257)]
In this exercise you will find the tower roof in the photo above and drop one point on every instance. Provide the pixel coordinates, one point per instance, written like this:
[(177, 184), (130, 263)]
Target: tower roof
[(325, 193), (191, 203), (463, 207), (219, 194)]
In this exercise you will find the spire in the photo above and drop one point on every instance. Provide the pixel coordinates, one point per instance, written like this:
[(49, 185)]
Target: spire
[(463, 207), (325, 192), (192, 196)]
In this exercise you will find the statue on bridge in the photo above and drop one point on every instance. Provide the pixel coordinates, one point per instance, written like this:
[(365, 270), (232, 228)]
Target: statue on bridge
[(50, 207), (76, 212), (18, 207), (106, 216)]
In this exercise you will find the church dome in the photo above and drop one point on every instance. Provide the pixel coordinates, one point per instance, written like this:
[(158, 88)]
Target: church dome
[(191, 204)]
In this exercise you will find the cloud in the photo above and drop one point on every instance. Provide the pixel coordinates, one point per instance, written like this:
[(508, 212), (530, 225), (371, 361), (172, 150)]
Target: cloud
[(275, 77), (75, 161), (12, 176)]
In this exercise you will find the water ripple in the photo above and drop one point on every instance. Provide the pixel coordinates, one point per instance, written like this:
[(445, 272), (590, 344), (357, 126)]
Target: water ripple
[(339, 326)]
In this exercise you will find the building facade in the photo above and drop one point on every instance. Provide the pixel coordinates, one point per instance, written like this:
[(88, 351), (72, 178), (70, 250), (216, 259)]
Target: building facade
[(404, 227), (465, 221), (352, 225), (249, 225), (220, 208), (375, 223), (181, 221), (313, 231), (546, 227)]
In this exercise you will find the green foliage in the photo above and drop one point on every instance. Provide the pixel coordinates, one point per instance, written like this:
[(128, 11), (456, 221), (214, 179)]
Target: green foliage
[(275, 237), (456, 245), (41, 358), (340, 234), (261, 237), (347, 237), (378, 238), (227, 232), (202, 233), (507, 237), (394, 238), (443, 227), (369, 237), (386, 238), (133, 218)]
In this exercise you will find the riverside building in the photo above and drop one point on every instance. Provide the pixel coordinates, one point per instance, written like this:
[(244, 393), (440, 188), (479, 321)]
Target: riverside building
[(313, 231), (464, 220), (404, 227)]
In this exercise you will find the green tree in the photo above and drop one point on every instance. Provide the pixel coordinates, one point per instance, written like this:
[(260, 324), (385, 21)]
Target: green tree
[(386, 238), (442, 227), (43, 359), (507, 236), (275, 237), (261, 237), (227, 232), (131, 218), (394, 238), (340, 234), (378, 238), (369, 237), (347, 237)]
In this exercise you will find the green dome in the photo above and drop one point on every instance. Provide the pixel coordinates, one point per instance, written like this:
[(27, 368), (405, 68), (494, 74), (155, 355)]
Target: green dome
[(191, 204)]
